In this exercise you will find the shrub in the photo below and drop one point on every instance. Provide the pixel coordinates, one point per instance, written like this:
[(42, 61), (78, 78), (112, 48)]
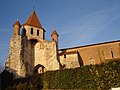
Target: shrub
[(93, 77)]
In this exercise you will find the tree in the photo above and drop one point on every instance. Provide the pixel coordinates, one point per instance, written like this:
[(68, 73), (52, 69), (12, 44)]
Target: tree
[(1, 67)]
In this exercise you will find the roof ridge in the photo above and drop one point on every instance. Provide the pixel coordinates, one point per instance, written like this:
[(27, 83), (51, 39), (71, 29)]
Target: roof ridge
[(33, 20), (90, 45)]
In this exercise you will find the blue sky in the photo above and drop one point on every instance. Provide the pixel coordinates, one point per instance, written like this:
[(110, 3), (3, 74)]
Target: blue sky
[(78, 22)]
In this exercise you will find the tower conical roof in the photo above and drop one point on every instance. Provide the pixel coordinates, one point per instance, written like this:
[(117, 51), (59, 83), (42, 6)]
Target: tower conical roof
[(54, 32), (33, 20), (17, 23)]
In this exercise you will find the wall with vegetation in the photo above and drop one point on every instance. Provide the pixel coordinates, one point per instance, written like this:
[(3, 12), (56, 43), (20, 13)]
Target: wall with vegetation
[(96, 77)]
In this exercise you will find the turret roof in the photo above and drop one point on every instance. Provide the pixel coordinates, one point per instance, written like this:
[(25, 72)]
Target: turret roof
[(33, 21), (17, 23), (54, 32)]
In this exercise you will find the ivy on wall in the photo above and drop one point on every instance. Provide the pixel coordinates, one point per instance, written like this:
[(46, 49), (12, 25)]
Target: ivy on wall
[(93, 77)]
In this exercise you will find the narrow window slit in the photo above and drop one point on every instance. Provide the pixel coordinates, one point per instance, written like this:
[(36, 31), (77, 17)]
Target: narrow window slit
[(37, 32), (31, 31)]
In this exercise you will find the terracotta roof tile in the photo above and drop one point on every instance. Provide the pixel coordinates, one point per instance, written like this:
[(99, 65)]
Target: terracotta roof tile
[(33, 21), (17, 23), (90, 45), (54, 33)]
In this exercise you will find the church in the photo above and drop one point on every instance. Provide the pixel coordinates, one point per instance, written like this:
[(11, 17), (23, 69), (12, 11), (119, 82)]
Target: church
[(30, 53)]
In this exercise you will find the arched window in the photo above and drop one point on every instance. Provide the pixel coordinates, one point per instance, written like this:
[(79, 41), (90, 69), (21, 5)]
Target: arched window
[(39, 69), (64, 55), (91, 61), (52, 39), (37, 32), (112, 54), (31, 32)]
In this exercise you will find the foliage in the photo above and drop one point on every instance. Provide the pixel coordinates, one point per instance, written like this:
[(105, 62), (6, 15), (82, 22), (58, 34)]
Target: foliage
[(93, 77), (6, 79)]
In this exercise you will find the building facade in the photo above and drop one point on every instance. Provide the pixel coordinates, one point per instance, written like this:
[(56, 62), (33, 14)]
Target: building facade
[(89, 54), (30, 53)]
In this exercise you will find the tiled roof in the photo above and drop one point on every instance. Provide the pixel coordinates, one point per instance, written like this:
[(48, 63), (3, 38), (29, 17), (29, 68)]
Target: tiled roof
[(17, 23), (89, 45), (54, 33), (33, 21)]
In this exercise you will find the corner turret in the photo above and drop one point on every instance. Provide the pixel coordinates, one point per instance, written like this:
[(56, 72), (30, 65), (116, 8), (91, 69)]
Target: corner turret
[(55, 36), (17, 27)]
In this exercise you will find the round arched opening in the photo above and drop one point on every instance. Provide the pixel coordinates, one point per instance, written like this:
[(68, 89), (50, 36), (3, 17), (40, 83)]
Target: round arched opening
[(38, 69)]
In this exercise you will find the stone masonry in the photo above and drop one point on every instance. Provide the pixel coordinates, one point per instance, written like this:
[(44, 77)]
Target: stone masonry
[(30, 53)]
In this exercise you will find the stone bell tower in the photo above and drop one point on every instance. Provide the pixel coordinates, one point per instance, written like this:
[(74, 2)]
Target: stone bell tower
[(29, 52), (37, 52), (33, 28), (32, 33)]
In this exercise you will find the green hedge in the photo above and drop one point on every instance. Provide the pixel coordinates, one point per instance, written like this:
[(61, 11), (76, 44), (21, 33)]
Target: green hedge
[(94, 77)]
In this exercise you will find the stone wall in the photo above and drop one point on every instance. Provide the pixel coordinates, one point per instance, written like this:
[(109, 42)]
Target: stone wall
[(37, 51), (91, 54), (14, 63), (69, 61), (30, 53), (45, 54), (40, 52), (34, 35)]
